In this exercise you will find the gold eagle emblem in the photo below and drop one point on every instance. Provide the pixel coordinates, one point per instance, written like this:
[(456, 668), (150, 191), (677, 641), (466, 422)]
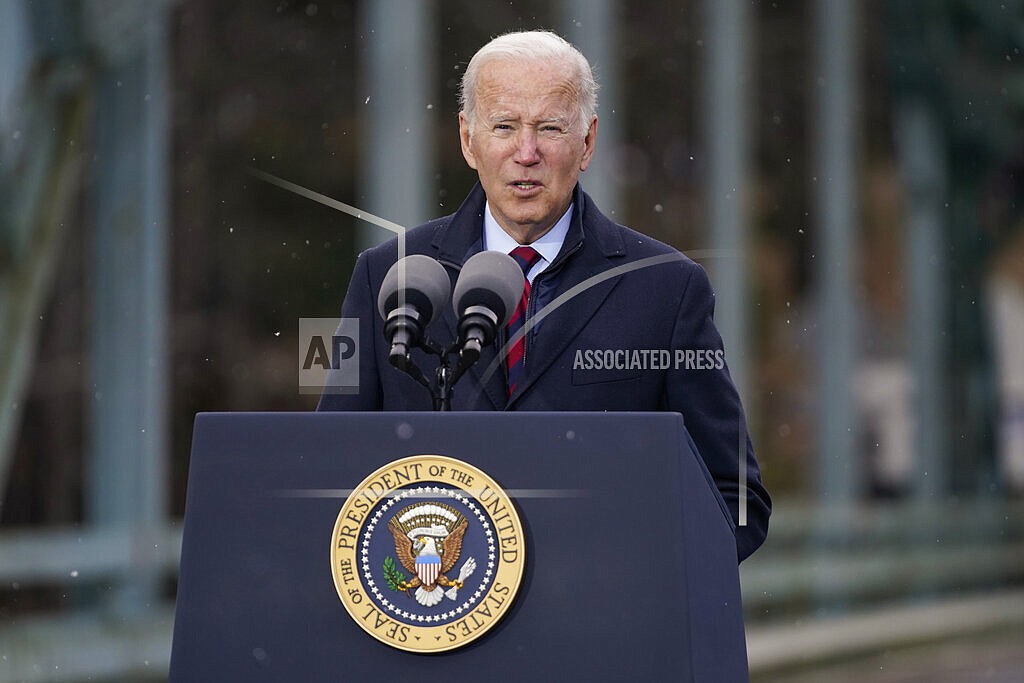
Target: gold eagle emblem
[(428, 542)]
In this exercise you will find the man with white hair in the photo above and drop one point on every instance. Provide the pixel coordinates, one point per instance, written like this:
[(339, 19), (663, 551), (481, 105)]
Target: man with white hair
[(640, 340)]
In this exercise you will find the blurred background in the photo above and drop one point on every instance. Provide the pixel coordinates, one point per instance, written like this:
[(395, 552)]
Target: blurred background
[(850, 172)]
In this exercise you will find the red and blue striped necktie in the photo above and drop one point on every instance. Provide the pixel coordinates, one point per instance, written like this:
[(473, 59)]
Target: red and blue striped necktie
[(525, 257)]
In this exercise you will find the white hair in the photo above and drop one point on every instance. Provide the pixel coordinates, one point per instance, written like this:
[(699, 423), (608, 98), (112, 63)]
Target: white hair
[(534, 46)]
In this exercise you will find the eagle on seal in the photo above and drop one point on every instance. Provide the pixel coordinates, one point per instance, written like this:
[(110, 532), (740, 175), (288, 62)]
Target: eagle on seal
[(429, 553)]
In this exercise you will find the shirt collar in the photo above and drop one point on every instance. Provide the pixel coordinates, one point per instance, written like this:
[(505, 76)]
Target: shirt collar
[(548, 246)]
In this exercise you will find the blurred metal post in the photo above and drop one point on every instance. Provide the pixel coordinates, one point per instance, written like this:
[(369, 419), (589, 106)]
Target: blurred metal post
[(129, 406), (19, 190), (398, 157), (44, 107), (592, 26), (727, 83), (924, 167), (836, 28)]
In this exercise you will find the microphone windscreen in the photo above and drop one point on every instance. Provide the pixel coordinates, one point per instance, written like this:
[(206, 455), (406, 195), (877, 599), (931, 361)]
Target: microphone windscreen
[(426, 285), (490, 279)]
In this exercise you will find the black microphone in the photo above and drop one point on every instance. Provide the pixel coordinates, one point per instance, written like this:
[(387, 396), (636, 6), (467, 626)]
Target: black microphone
[(411, 297), (486, 294)]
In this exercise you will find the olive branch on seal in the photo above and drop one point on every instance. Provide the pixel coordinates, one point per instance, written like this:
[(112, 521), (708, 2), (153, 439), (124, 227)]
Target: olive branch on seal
[(391, 574)]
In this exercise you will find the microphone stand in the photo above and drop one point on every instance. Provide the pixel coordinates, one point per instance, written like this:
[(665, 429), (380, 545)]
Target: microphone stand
[(445, 376)]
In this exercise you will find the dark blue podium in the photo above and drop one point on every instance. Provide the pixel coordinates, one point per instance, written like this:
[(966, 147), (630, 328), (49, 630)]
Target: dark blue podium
[(630, 574)]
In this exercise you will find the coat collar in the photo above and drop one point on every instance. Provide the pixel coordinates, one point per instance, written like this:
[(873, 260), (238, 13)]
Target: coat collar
[(462, 236)]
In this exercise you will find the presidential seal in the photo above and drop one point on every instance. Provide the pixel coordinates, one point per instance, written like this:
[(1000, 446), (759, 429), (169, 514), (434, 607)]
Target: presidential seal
[(427, 553)]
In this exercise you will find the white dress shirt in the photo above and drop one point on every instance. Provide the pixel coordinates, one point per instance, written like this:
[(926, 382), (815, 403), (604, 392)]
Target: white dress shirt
[(548, 246)]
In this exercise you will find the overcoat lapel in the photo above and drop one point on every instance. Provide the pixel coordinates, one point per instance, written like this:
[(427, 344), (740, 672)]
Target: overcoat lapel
[(580, 293), (461, 238)]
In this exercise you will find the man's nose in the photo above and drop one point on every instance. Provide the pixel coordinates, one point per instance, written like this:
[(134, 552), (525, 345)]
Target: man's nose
[(527, 153)]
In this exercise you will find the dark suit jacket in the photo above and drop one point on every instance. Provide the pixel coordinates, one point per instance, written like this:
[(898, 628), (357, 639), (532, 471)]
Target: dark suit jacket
[(664, 301)]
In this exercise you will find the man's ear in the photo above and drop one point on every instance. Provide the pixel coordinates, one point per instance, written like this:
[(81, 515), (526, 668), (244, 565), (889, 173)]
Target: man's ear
[(589, 142), (464, 138)]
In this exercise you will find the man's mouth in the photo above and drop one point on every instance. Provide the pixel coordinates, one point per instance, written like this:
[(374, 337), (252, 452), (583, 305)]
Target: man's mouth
[(526, 184)]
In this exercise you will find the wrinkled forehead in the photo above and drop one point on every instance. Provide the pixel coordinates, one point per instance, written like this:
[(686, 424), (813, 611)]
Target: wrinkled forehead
[(527, 88)]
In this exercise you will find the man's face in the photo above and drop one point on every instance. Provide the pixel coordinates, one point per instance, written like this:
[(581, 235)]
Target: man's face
[(526, 144)]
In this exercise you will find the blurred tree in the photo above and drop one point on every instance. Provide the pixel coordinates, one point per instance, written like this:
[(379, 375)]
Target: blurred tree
[(963, 60)]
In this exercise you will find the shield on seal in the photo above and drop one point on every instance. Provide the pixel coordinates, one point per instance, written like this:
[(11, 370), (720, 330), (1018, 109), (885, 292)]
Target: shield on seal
[(428, 567)]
